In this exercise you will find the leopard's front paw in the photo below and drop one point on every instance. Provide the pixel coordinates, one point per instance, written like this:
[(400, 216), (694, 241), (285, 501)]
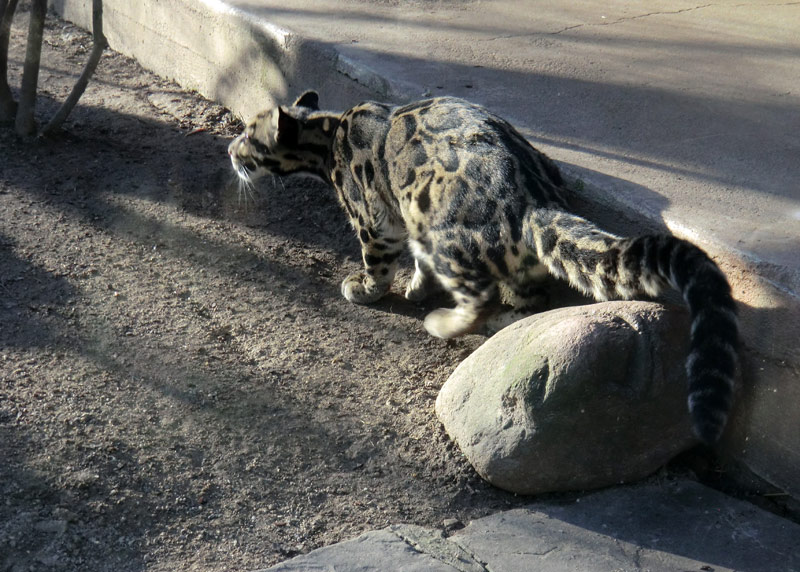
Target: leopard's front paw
[(361, 288)]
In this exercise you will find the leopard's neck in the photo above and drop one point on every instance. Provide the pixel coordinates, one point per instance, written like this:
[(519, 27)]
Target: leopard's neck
[(316, 141)]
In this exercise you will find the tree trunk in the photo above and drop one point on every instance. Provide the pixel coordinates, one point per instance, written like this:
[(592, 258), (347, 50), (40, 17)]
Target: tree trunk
[(100, 44), (25, 122), (8, 107)]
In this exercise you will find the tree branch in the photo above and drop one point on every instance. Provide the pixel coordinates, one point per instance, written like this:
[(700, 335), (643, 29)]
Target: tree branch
[(25, 121), (99, 45), (8, 107)]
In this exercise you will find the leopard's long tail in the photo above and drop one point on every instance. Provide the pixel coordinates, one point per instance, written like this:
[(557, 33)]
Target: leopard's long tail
[(605, 266)]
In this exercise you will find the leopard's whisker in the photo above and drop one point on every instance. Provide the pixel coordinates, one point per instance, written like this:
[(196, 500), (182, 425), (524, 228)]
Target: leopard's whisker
[(246, 193)]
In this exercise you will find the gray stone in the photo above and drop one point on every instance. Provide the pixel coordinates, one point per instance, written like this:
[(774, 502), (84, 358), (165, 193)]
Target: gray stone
[(574, 398)]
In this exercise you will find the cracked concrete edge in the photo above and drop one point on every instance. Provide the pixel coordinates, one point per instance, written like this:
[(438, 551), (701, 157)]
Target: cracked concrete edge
[(391, 548), (637, 17), (435, 544)]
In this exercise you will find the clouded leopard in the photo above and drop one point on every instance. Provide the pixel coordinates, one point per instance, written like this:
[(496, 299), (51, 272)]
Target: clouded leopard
[(480, 207)]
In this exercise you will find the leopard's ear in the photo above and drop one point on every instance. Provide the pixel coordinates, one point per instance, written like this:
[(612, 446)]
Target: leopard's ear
[(288, 129), (309, 99)]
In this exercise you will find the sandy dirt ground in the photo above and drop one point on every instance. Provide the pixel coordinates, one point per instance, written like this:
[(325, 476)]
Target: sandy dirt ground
[(182, 387)]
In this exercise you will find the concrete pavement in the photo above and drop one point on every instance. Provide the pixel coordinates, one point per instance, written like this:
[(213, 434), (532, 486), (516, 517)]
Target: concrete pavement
[(667, 115), (670, 527)]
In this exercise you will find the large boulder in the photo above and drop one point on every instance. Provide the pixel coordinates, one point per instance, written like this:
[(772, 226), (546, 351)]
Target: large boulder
[(574, 398)]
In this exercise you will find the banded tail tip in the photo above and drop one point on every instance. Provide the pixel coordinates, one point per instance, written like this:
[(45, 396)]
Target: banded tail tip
[(708, 423)]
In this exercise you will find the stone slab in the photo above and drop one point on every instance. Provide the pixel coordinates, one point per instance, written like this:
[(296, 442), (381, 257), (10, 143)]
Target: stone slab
[(676, 526)]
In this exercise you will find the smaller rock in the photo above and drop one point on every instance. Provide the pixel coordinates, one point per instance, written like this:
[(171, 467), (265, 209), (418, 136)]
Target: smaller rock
[(575, 398)]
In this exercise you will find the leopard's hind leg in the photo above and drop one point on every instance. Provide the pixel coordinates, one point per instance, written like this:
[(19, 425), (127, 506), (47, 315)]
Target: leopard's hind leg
[(474, 299), (424, 282), (523, 301), (525, 294)]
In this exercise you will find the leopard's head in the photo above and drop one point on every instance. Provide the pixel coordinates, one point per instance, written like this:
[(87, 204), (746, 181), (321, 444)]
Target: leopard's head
[(283, 140)]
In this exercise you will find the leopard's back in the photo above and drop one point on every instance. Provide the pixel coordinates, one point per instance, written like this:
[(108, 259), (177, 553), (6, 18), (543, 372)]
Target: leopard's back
[(450, 155), (463, 180)]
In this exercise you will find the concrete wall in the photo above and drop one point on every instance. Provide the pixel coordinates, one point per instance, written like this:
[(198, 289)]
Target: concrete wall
[(223, 53), (246, 65)]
